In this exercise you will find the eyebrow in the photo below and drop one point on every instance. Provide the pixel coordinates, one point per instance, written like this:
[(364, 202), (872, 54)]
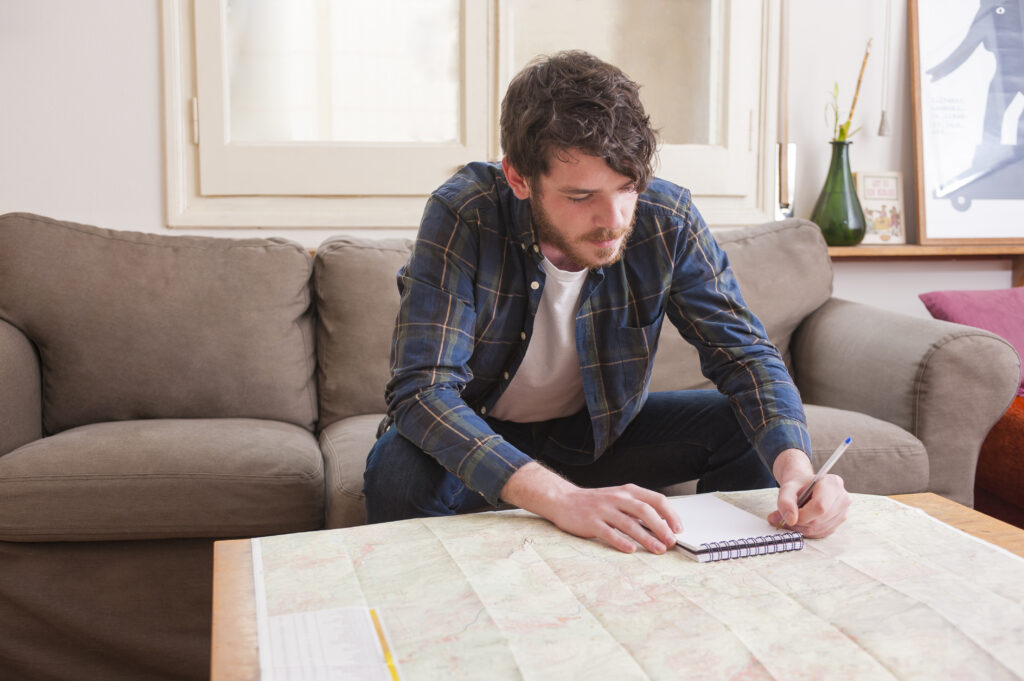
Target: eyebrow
[(578, 190)]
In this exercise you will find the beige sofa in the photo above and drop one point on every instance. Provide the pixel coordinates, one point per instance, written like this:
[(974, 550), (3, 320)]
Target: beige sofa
[(159, 393)]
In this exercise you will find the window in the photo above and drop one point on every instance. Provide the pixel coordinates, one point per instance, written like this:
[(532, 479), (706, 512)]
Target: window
[(346, 114)]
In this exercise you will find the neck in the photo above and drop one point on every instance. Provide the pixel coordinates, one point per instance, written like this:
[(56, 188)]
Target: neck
[(559, 259)]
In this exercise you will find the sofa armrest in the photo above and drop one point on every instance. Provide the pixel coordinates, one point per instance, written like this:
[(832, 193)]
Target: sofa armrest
[(21, 410), (947, 384)]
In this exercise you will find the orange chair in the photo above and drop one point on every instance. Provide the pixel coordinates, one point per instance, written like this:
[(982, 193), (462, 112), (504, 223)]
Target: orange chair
[(999, 483)]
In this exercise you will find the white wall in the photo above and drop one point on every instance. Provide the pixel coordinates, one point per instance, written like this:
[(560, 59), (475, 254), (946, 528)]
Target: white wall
[(80, 111), (81, 124), (827, 46)]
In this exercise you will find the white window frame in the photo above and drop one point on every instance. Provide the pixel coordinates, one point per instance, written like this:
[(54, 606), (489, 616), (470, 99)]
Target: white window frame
[(229, 168), (732, 182)]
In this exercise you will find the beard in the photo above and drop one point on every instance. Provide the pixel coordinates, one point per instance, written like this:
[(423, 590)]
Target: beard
[(574, 250)]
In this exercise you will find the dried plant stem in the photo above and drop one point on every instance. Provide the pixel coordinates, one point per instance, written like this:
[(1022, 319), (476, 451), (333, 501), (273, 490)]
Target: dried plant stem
[(860, 77)]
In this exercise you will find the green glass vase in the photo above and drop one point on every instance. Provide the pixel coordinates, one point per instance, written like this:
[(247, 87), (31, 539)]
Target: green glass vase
[(838, 213)]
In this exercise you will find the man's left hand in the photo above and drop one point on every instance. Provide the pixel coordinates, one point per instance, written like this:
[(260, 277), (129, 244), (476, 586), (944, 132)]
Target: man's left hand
[(823, 512)]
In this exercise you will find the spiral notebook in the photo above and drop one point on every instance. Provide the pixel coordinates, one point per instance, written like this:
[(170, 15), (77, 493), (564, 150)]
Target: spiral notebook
[(714, 529)]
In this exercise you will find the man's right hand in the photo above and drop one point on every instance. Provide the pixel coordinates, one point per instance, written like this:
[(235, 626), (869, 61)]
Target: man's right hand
[(619, 516)]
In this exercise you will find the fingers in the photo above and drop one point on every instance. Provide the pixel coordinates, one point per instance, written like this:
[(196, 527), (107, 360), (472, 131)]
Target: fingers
[(629, 527), (609, 535), (822, 514), (654, 512), (788, 512), (662, 508), (824, 525), (828, 511), (625, 516)]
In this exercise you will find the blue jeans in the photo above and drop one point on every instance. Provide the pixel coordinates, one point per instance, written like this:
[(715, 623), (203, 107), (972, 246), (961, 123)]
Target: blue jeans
[(677, 436)]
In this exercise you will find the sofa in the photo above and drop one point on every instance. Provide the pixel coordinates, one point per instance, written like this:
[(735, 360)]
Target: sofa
[(158, 393)]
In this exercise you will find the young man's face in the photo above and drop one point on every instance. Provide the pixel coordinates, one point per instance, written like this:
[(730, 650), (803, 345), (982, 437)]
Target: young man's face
[(582, 209)]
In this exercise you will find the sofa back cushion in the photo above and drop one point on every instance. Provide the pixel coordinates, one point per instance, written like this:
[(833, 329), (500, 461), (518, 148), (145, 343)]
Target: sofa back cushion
[(784, 273), (132, 326), (783, 269), (357, 303)]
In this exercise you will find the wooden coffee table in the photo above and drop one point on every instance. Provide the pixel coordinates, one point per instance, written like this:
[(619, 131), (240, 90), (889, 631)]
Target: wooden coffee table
[(967, 519), (234, 652)]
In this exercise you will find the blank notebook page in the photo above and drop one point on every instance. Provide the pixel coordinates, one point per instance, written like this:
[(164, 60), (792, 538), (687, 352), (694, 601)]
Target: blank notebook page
[(707, 519)]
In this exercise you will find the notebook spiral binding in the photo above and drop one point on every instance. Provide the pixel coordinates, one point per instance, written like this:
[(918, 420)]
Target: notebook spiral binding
[(752, 546)]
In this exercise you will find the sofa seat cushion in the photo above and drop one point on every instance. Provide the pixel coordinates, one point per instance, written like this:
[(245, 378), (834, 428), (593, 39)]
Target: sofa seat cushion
[(883, 459), (345, 445), (163, 478)]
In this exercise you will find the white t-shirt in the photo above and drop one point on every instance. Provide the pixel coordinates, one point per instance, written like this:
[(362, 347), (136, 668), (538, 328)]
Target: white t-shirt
[(548, 384)]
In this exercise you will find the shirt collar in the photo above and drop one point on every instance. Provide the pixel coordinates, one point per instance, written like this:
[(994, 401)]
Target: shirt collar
[(521, 228)]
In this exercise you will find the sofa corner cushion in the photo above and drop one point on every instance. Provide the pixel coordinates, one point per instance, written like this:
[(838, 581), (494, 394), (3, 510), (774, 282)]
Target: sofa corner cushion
[(345, 445), (784, 274), (132, 325), (175, 478), (883, 459), (357, 303)]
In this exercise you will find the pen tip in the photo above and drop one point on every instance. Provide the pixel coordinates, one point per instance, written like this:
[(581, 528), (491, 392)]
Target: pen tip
[(848, 441)]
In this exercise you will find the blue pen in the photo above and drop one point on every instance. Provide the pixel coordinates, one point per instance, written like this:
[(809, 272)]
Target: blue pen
[(806, 494)]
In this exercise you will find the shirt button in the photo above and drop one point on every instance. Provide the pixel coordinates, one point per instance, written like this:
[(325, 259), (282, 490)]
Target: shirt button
[(483, 410), (505, 375), (523, 335), (534, 285), (536, 248)]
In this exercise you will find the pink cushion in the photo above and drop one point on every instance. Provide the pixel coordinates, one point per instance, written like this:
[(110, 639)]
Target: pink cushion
[(1000, 311)]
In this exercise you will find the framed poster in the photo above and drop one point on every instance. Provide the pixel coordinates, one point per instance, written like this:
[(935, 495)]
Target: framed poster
[(881, 198), (967, 67)]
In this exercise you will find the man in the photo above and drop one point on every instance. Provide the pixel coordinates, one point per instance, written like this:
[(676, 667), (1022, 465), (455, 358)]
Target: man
[(530, 311)]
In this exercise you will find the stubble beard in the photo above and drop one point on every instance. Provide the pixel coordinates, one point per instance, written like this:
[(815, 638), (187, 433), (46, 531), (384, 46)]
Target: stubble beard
[(549, 234)]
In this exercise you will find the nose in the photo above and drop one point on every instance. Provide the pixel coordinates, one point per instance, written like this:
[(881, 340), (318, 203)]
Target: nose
[(613, 212)]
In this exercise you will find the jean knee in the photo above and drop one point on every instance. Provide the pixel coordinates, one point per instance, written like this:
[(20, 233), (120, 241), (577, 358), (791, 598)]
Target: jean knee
[(390, 461), (402, 481), (721, 407)]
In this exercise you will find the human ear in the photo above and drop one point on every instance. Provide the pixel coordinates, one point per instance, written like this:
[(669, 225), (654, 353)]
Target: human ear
[(519, 185)]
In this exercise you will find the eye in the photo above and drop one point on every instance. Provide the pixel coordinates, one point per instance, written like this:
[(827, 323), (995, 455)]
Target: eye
[(582, 199)]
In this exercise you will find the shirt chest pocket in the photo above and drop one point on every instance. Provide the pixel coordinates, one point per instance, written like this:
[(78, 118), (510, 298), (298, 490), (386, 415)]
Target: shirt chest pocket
[(627, 357), (629, 343)]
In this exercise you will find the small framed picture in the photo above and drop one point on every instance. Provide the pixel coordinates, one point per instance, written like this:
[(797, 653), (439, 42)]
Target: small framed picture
[(881, 197)]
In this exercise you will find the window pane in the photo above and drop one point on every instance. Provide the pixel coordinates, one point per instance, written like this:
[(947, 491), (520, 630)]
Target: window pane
[(344, 70), (673, 48)]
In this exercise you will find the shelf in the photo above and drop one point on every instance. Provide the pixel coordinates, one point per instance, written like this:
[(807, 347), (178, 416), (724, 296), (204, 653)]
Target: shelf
[(1014, 253), (915, 251)]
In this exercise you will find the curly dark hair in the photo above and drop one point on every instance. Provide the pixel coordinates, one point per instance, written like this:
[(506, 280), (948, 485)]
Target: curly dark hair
[(573, 100)]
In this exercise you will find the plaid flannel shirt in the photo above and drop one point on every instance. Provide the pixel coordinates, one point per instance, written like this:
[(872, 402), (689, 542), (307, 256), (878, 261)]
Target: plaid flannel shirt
[(467, 311)]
